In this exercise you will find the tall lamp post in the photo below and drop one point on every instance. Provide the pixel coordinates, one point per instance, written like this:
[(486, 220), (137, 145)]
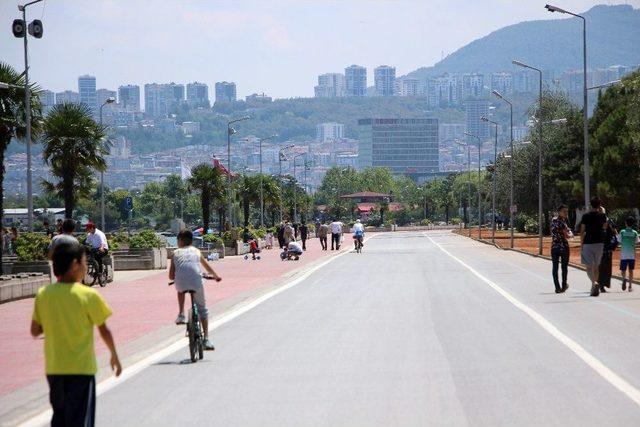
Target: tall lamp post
[(295, 184), (109, 100), (27, 110), (261, 186), (493, 179), (585, 99), (282, 157), (231, 131), (511, 205), (479, 178), (522, 64), (468, 183)]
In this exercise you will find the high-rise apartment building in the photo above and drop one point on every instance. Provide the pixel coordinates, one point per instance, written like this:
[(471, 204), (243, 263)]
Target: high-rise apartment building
[(326, 132), (174, 93), (129, 97), (87, 91), (67, 96), (409, 87), (502, 82), (198, 95), (406, 146), (472, 86), (103, 94), (356, 79), (225, 92), (443, 90), (155, 100), (384, 78), (474, 110), (331, 85), (525, 82), (48, 100)]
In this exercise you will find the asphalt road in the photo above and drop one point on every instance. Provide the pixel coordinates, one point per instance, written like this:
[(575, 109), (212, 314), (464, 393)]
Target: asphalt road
[(420, 329)]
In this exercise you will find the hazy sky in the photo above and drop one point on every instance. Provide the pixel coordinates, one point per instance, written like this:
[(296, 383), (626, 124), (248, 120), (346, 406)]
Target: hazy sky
[(273, 46)]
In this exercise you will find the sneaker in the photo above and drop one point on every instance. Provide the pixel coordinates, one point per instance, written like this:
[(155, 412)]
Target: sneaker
[(181, 320), (624, 284), (602, 289), (208, 345), (558, 291), (630, 289), (595, 290), (565, 287)]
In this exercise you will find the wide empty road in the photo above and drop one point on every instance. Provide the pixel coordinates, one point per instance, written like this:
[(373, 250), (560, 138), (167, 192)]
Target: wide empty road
[(420, 329)]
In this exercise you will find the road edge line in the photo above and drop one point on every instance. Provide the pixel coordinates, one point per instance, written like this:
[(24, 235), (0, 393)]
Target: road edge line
[(593, 362)]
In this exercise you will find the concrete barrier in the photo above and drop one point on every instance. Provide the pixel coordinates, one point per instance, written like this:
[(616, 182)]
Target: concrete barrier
[(140, 259), (21, 286)]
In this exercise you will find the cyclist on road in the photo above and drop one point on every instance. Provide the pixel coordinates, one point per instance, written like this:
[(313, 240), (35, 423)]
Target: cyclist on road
[(358, 233), (186, 271), (97, 241)]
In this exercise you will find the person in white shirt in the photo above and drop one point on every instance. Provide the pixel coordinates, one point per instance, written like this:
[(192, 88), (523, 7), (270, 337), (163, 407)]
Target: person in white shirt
[(294, 250), (336, 234), (97, 241), (358, 233)]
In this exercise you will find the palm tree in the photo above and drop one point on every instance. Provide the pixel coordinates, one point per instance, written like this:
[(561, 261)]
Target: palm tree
[(12, 114), (207, 180), (74, 150), (249, 190), (271, 191)]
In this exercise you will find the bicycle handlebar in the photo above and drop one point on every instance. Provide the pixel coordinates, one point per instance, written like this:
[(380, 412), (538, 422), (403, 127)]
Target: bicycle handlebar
[(204, 276)]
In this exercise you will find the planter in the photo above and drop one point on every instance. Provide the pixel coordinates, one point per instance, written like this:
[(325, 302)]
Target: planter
[(216, 248), (21, 286), (140, 259), (43, 267)]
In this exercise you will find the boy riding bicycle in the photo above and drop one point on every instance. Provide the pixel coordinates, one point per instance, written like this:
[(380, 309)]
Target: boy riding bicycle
[(358, 233), (186, 272)]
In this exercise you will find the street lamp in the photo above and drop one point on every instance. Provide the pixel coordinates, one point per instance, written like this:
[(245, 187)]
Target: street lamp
[(479, 178), (511, 205), (493, 179), (585, 113), (295, 182), (261, 186), (468, 219), (282, 157), (109, 100), (607, 84), (27, 112), (522, 64), (231, 131)]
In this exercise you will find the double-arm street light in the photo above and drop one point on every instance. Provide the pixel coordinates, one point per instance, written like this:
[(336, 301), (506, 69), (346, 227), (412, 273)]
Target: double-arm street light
[(261, 185), (109, 100), (585, 113), (522, 64), (493, 179), (282, 157), (511, 205), (295, 184), (468, 219), (479, 179), (231, 131)]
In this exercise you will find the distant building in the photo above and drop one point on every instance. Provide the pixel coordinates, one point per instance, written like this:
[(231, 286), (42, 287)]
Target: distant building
[(48, 100), (409, 87), (175, 94), (474, 110), (331, 131), (189, 128), (521, 133), (384, 78), (87, 91), (129, 97), (356, 80), (442, 91), (225, 92), (67, 96), (406, 146), (198, 95), (502, 82), (472, 86), (451, 131), (331, 85), (258, 99), (103, 94), (155, 100), (525, 82)]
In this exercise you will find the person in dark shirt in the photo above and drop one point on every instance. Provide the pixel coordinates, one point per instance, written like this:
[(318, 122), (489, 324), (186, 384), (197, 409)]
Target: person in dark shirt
[(560, 235), (304, 233), (592, 236), (610, 244)]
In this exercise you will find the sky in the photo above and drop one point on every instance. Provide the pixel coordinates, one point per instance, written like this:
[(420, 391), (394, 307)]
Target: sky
[(277, 47)]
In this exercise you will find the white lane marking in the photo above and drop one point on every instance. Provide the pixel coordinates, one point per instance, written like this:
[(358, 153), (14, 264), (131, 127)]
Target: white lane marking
[(614, 379), (45, 417)]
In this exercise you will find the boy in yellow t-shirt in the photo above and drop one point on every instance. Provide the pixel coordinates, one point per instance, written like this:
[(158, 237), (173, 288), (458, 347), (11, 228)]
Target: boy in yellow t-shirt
[(66, 312)]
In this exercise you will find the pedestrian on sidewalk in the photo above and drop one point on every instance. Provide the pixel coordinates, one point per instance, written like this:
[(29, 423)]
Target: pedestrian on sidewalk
[(628, 240), (323, 232), (304, 233), (280, 234), (288, 233), (337, 228), (610, 245), (66, 312), (592, 234), (560, 235), (269, 239)]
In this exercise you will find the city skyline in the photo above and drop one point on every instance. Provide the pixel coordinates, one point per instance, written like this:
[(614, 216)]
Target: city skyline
[(280, 41)]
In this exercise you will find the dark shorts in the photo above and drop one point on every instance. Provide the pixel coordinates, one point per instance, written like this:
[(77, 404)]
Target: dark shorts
[(73, 400), (624, 263)]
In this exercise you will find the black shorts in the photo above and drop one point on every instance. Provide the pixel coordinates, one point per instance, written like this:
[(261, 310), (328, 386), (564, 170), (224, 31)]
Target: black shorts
[(73, 400)]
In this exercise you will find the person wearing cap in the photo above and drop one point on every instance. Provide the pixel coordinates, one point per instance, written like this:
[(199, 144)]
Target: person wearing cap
[(358, 233), (97, 241)]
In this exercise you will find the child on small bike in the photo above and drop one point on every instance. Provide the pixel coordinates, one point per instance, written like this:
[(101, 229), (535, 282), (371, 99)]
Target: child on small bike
[(186, 271)]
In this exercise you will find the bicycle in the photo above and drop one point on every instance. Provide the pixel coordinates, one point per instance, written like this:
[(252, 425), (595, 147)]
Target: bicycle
[(359, 244), (93, 271)]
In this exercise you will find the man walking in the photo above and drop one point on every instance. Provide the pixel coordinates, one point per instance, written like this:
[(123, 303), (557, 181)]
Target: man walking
[(560, 235), (288, 234), (323, 232), (336, 234), (592, 228), (304, 233), (606, 264)]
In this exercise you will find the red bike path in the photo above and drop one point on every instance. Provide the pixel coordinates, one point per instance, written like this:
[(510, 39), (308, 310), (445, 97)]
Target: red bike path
[(141, 307)]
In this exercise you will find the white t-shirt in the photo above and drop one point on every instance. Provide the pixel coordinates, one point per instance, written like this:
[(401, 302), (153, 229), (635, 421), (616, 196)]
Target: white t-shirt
[(97, 239), (358, 227), (186, 263), (295, 247), (60, 239), (336, 227)]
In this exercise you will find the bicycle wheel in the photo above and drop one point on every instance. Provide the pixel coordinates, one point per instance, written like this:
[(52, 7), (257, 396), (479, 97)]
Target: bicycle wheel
[(104, 276), (92, 272), (192, 339)]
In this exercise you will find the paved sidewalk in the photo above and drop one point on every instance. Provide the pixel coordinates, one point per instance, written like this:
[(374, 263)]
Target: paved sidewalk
[(143, 304)]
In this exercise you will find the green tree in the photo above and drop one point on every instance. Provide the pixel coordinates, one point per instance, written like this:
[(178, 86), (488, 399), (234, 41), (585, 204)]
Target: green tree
[(74, 151), (207, 181), (248, 190)]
